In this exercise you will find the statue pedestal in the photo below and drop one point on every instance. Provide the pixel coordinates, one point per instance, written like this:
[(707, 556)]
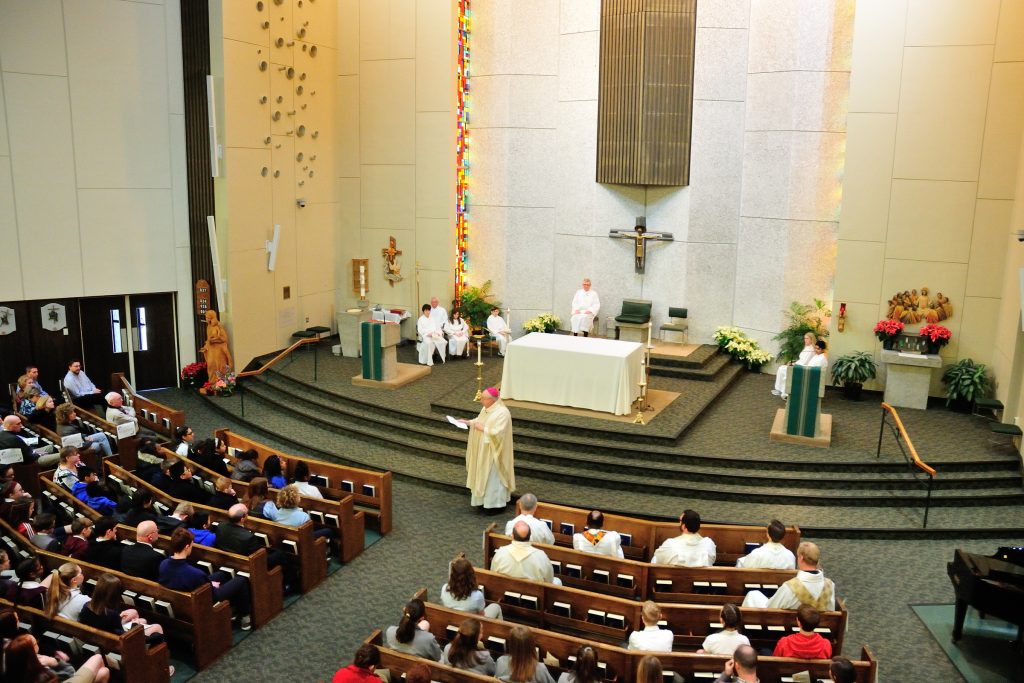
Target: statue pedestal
[(348, 330), (380, 361), (908, 377)]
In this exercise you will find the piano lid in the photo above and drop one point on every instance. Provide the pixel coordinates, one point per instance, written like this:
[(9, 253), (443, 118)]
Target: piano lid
[(991, 568)]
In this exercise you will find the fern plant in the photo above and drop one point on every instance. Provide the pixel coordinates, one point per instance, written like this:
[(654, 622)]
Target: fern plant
[(476, 303), (802, 318), (966, 381)]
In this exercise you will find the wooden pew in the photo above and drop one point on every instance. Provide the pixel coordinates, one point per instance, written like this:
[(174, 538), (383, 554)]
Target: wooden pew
[(644, 581), (207, 626), (136, 663), (152, 415), (645, 536), (267, 585), (339, 514), (311, 552), (399, 663), (372, 490), (690, 623), (621, 664)]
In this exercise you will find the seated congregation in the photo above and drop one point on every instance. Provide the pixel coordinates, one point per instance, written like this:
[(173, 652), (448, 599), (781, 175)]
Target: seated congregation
[(579, 596), (143, 549)]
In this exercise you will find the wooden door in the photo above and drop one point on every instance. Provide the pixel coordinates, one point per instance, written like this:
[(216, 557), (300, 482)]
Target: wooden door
[(53, 348), (105, 339), (154, 341)]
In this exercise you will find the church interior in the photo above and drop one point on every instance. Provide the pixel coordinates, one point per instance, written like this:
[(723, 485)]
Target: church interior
[(254, 220)]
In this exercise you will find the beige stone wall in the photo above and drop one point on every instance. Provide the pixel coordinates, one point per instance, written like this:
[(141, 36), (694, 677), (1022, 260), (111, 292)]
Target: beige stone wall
[(936, 109), (278, 128), (396, 147)]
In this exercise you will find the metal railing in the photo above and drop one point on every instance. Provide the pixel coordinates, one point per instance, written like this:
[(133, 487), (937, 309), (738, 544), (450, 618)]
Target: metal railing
[(916, 465), (273, 361)]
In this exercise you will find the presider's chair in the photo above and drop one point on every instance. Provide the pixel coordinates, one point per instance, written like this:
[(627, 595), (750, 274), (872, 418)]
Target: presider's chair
[(678, 323), (636, 314)]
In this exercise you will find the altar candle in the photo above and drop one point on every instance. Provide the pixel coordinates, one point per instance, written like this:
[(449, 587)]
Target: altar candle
[(362, 281)]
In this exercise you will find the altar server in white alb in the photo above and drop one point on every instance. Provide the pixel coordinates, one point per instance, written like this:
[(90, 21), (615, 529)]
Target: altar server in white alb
[(805, 357), (431, 339), (490, 474), (458, 335), (498, 328), (585, 307), (771, 555)]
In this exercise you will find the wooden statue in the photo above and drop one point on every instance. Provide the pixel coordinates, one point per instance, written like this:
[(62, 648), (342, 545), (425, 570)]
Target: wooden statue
[(215, 350)]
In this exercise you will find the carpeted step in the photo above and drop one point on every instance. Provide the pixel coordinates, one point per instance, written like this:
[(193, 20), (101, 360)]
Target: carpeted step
[(705, 372)]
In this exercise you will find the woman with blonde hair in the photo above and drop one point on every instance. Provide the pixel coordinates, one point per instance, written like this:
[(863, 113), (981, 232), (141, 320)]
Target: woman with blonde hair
[(464, 651), (520, 665), (65, 597), (462, 591)]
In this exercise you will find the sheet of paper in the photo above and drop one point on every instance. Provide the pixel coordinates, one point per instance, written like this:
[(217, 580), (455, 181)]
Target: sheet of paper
[(126, 429), (458, 424)]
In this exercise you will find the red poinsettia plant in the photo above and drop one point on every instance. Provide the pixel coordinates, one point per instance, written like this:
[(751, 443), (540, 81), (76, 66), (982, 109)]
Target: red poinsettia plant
[(888, 330), (194, 374), (937, 335)]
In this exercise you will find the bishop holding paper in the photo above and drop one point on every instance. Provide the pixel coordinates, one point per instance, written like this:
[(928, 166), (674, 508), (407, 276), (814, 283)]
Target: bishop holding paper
[(490, 474), (585, 307)]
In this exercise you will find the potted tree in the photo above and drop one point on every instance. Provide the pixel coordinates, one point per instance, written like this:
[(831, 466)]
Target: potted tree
[(965, 381), (851, 371), (801, 319), (476, 303)]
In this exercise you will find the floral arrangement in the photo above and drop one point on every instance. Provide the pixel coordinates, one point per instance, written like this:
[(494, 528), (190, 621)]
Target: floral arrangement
[(937, 335), (194, 375), (737, 344), (888, 330), (545, 322), (223, 385)]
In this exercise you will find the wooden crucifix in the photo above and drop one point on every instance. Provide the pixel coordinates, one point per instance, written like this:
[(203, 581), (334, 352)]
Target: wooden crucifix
[(640, 237), (392, 269)]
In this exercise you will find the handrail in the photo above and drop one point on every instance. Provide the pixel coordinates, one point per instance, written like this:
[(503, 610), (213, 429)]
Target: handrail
[(915, 458), (275, 359), (900, 432)]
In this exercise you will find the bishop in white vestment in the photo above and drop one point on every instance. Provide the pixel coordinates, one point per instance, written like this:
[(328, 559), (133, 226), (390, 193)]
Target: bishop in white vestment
[(431, 339), (585, 307), (490, 474)]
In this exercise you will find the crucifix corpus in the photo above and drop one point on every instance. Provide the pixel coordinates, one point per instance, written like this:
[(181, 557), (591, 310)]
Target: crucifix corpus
[(640, 237), (392, 269)]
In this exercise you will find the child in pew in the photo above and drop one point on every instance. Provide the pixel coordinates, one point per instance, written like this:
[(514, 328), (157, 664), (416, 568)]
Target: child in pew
[(585, 669), (65, 597), (148, 459), (24, 663), (520, 665), (245, 467), (105, 611), (90, 491), (258, 499), (462, 592), (729, 638), (199, 525), (363, 668), (273, 470), (412, 634), (807, 644), (653, 638), (649, 670), (464, 651)]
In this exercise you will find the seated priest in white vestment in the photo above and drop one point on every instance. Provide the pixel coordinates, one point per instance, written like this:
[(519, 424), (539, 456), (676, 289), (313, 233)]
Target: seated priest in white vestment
[(808, 587), (498, 328), (458, 335), (431, 339), (540, 532), (490, 470), (689, 549), (771, 555), (438, 314), (521, 560), (818, 360), (596, 540), (585, 307), (805, 357)]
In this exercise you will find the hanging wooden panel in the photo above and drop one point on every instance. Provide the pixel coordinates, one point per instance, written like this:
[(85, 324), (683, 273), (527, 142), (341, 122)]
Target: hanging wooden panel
[(645, 96)]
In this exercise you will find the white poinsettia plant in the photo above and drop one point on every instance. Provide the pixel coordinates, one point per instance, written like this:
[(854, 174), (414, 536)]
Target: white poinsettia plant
[(737, 344)]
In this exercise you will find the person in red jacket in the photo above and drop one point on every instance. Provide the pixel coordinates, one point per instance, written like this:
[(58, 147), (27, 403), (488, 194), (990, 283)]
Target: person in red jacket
[(806, 644), (361, 669)]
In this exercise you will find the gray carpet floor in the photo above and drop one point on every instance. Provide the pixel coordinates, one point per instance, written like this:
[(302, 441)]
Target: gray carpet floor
[(319, 633)]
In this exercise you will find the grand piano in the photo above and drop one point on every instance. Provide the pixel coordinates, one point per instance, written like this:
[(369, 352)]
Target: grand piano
[(992, 585)]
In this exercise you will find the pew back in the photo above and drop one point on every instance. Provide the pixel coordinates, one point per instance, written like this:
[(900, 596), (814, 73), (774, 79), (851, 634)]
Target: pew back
[(152, 415)]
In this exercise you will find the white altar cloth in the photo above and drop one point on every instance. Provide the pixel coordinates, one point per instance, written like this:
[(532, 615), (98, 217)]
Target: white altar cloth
[(583, 372)]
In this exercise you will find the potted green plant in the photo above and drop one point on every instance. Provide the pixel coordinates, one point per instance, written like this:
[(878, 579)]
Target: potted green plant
[(965, 381), (803, 318), (851, 371), (476, 303)]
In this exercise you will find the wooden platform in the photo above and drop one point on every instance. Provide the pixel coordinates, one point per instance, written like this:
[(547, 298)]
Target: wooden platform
[(407, 373), (822, 439), (658, 400)]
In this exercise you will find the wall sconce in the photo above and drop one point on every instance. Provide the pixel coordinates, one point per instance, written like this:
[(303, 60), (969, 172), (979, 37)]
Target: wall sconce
[(841, 323)]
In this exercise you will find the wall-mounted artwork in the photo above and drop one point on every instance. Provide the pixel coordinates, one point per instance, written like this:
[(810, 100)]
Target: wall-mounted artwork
[(7, 322), (54, 317), (912, 307)]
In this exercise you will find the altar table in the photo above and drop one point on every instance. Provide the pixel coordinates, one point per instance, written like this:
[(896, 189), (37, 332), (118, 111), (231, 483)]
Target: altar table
[(582, 372)]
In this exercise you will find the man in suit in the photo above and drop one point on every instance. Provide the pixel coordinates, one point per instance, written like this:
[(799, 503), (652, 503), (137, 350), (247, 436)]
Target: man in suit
[(142, 559), (233, 537), (166, 524), (9, 438), (105, 550)]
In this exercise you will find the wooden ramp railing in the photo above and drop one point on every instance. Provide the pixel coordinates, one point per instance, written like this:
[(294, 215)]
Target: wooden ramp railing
[(917, 466), (274, 361)]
